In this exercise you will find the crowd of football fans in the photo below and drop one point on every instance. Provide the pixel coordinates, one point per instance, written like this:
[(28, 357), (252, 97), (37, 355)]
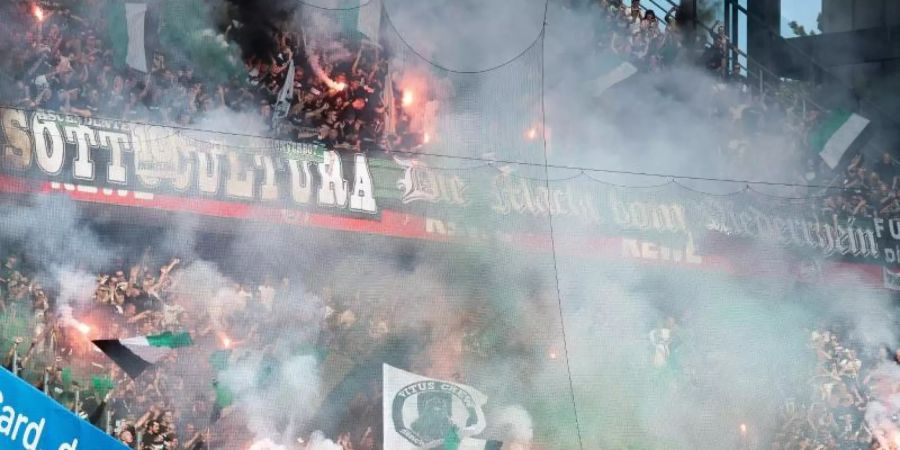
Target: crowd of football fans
[(637, 35), (65, 61), (170, 406), (765, 125), (849, 403), (868, 190)]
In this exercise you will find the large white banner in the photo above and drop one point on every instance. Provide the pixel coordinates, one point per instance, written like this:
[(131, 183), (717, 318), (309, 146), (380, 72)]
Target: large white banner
[(419, 412)]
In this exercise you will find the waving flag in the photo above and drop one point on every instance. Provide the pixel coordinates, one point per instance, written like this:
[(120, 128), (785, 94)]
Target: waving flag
[(421, 412), (134, 355), (136, 16), (285, 96), (126, 27), (836, 134)]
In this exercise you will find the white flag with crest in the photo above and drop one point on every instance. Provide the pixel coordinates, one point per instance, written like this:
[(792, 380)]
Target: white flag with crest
[(419, 412), (286, 96)]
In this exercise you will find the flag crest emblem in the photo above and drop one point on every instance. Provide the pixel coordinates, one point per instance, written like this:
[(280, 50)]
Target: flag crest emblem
[(424, 412), (420, 411)]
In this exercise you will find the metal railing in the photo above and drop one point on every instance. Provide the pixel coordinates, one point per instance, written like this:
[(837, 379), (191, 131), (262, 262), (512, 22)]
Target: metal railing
[(761, 79), (736, 8)]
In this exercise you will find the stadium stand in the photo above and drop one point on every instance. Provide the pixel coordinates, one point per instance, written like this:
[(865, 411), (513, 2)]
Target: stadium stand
[(62, 60)]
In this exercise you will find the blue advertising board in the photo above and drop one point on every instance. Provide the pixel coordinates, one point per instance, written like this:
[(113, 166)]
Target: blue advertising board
[(30, 420)]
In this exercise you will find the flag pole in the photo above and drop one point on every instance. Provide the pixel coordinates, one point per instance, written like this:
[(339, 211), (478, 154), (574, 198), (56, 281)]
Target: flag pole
[(108, 419), (15, 360)]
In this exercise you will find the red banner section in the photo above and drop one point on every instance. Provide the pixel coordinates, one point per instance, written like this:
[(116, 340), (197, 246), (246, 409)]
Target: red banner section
[(409, 226)]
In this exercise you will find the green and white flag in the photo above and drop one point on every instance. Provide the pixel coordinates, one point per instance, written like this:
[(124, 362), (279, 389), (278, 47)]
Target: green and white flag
[(421, 412), (134, 355), (135, 18), (126, 28), (285, 96), (837, 133)]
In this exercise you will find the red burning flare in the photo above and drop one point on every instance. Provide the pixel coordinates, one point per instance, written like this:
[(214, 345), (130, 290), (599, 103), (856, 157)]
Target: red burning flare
[(38, 13), (226, 341), (84, 328), (408, 98)]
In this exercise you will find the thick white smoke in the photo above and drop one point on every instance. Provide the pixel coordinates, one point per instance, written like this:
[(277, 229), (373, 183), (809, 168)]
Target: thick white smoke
[(224, 120), (318, 442), (279, 405), (745, 346), (515, 423), (743, 343)]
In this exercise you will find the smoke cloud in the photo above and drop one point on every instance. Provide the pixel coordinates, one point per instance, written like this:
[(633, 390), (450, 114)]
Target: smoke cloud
[(737, 347)]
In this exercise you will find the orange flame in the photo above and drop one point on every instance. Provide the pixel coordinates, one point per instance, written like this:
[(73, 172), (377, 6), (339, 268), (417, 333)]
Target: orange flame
[(531, 134), (38, 13), (83, 328), (226, 341), (408, 98)]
